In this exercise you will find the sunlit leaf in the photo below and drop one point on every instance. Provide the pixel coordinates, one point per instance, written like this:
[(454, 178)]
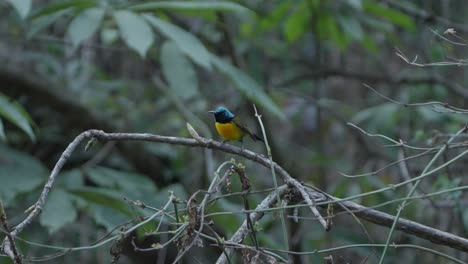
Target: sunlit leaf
[(178, 71), (22, 7), (58, 210), (85, 25), (19, 173), (135, 31), (248, 86), (16, 114), (187, 42)]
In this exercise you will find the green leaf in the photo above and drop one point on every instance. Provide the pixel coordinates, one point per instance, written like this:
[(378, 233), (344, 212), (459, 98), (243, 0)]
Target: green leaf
[(108, 198), (378, 117), (135, 31), (22, 7), (42, 22), (296, 24), (230, 222), (273, 18), (85, 25), (106, 217), (187, 42), (2, 131), (193, 5), (19, 173), (58, 210), (178, 71), (246, 85), (53, 8), (16, 114), (352, 27), (62, 5), (71, 179), (370, 44), (328, 29), (133, 185), (390, 14)]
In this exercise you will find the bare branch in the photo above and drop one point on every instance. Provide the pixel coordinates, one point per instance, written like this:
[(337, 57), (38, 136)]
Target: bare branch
[(407, 226)]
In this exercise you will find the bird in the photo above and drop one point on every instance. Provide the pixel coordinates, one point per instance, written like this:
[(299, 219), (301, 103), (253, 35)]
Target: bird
[(229, 127)]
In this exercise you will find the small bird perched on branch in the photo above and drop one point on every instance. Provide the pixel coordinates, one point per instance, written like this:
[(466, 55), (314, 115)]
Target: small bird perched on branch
[(229, 126)]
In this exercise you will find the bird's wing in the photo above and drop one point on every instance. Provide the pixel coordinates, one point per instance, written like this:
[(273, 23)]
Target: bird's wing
[(246, 130)]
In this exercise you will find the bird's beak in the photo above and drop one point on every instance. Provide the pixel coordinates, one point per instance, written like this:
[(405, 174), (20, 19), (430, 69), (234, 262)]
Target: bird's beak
[(211, 111)]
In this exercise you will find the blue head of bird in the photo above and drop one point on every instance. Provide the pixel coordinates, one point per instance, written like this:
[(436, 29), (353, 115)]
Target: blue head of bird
[(222, 115)]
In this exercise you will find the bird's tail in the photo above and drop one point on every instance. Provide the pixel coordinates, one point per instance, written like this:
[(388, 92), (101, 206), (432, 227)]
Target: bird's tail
[(255, 137)]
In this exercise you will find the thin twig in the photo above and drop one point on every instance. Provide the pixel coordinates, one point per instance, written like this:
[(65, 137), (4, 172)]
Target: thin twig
[(413, 189), (11, 250), (273, 176)]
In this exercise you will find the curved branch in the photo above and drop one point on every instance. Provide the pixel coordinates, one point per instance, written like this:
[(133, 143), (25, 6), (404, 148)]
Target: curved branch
[(380, 218)]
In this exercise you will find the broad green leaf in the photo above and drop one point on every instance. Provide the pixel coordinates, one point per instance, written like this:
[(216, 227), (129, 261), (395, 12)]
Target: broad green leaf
[(246, 85), (296, 24), (53, 8), (352, 27), (192, 5), (390, 14), (149, 227), (187, 42), (58, 210), (71, 179), (42, 22), (108, 198), (132, 184), (16, 114), (85, 25), (328, 29), (369, 43), (2, 131), (377, 117), (178, 71), (276, 16), (106, 217), (22, 7), (230, 222), (19, 173), (135, 31)]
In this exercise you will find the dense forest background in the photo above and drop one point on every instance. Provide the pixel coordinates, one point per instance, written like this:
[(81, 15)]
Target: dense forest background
[(357, 99)]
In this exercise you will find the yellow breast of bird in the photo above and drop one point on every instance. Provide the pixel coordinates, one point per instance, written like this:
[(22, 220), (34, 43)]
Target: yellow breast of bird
[(229, 131)]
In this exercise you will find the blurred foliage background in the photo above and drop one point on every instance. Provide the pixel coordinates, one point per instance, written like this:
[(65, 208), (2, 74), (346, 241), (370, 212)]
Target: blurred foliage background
[(150, 67)]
